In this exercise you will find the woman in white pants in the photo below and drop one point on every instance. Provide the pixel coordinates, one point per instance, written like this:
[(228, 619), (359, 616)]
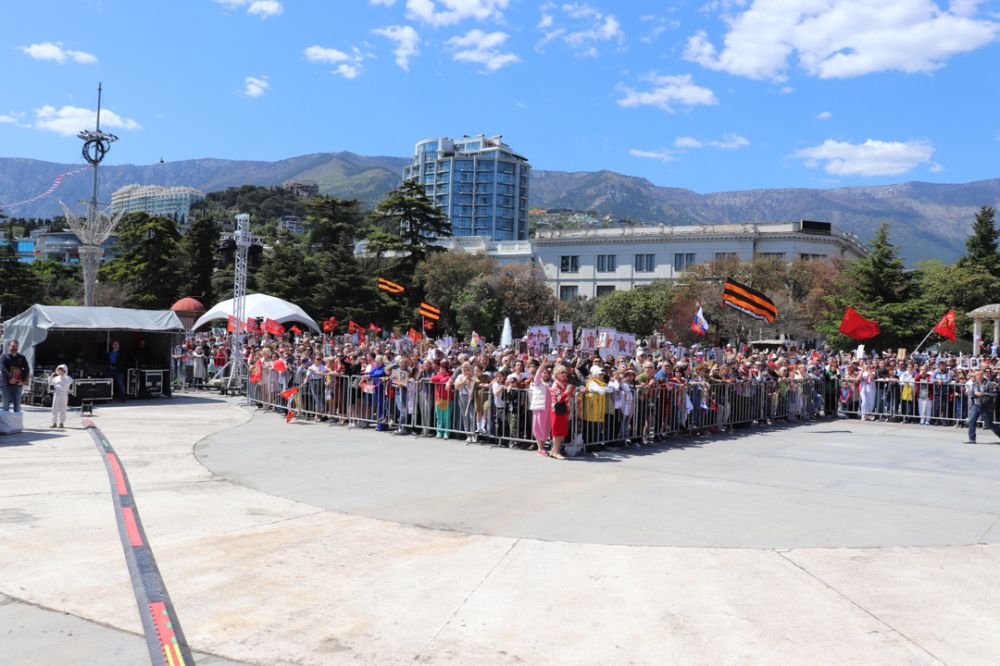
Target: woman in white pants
[(60, 381)]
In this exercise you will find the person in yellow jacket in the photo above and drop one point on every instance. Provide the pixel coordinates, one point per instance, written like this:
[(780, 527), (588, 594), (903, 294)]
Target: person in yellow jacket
[(595, 404)]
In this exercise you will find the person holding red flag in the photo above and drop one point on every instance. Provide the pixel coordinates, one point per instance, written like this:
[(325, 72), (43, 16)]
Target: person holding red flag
[(946, 326)]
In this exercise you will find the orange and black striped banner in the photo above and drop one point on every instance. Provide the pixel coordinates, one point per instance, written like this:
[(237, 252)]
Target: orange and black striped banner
[(749, 301), (429, 311), (390, 286)]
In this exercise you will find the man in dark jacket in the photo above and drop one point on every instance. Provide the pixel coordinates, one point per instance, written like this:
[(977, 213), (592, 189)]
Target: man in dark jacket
[(14, 373), (982, 395)]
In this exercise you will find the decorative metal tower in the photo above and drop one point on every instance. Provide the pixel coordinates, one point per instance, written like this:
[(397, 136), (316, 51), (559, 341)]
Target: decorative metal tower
[(243, 239), (96, 225)]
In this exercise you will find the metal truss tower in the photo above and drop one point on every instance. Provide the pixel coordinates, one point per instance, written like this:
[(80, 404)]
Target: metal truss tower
[(243, 239)]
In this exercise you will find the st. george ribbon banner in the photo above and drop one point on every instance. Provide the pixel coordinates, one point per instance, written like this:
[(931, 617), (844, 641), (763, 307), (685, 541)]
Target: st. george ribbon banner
[(749, 301)]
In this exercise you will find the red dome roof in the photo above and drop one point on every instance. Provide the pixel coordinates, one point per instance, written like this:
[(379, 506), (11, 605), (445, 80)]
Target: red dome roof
[(187, 305)]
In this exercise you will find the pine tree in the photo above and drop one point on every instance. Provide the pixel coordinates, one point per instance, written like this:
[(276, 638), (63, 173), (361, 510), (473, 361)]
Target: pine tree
[(981, 246), (880, 287), (408, 214), (283, 273), (19, 287), (199, 249), (148, 264)]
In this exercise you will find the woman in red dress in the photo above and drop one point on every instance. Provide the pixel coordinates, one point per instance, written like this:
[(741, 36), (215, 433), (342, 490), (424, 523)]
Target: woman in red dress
[(562, 392)]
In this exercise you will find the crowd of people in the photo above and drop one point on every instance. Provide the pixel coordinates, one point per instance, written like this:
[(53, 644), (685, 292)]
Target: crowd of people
[(575, 398)]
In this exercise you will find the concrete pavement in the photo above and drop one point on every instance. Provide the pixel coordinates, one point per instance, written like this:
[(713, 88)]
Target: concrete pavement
[(306, 544)]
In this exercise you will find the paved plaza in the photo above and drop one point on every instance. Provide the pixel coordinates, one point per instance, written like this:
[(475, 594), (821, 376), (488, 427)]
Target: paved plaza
[(835, 542)]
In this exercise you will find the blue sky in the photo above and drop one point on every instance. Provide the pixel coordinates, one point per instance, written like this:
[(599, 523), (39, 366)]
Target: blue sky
[(709, 95)]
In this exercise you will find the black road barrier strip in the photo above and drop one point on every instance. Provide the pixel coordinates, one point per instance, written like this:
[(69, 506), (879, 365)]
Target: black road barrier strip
[(164, 637)]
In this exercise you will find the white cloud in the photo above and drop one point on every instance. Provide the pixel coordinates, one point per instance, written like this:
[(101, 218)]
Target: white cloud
[(687, 142), (256, 86), (786, 90), (13, 118), (265, 8), (55, 51), (348, 65), (824, 115), (842, 38), (71, 120), (482, 48), (453, 11), (384, 3), (935, 168), (581, 27), (407, 41), (729, 141), (661, 155), (871, 158), (668, 91), (261, 8)]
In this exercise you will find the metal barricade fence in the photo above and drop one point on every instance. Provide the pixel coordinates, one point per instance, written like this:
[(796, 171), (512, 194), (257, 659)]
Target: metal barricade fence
[(923, 402)]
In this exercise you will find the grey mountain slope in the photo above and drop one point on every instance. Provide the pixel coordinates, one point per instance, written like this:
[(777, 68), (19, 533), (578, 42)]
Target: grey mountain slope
[(930, 220)]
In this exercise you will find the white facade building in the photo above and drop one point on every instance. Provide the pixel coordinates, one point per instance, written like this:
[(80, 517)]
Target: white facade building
[(596, 262), (172, 202)]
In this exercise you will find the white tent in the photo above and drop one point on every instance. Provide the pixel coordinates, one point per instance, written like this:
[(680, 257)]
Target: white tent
[(260, 305)]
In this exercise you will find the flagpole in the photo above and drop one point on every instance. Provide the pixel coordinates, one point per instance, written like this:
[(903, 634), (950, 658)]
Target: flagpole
[(924, 340)]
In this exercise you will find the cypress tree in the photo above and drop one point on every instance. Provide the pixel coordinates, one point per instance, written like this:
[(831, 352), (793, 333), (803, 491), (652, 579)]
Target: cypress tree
[(981, 246)]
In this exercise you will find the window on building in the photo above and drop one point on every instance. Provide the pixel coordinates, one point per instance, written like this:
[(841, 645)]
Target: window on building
[(683, 261), (807, 257), (607, 263), (569, 293), (726, 256), (645, 263), (604, 290), (780, 256), (569, 264)]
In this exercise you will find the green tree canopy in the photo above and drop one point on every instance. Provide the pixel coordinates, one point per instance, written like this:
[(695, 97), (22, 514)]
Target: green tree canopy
[(199, 252), (444, 275), (981, 246), (148, 265), (641, 310), (19, 286), (407, 214), (880, 287)]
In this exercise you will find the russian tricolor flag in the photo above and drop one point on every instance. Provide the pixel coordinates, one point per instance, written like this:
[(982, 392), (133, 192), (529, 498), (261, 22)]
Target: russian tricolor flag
[(699, 324)]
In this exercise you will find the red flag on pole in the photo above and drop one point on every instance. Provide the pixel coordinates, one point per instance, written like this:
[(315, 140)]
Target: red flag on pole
[(287, 395), (330, 324), (230, 324), (853, 325), (414, 335), (354, 328), (946, 327), (279, 366), (251, 325), (289, 416), (296, 330), (373, 327), (428, 325), (273, 327)]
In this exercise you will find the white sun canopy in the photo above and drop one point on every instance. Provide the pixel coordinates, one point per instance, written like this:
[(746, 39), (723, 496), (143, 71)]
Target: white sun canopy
[(260, 305)]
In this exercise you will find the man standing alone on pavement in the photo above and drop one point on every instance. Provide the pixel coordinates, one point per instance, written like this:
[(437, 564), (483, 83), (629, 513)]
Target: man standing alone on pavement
[(982, 395), (14, 372)]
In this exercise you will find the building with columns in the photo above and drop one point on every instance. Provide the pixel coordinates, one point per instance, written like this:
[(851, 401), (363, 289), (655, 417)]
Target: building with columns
[(597, 262), (986, 313)]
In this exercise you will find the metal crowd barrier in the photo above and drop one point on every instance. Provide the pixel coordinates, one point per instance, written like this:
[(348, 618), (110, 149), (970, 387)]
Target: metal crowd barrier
[(927, 403), (490, 413)]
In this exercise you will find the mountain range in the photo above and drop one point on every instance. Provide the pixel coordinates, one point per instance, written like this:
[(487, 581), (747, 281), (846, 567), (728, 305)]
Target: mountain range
[(929, 220)]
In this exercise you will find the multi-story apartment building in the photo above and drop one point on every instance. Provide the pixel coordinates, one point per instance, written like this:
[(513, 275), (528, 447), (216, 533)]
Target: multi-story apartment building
[(173, 202), (478, 182)]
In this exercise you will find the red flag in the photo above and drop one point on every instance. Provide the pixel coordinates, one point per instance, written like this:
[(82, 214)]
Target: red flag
[(296, 330), (251, 325), (289, 416), (946, 327), (230, 324), (330, 324), (373, 327), (279, 366), (853, 325), (287, 395), (273, 327), (428, 324), (414, 335), (354, 328)]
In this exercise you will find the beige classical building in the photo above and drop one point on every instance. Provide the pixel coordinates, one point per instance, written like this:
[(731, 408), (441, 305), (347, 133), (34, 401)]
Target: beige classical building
[(978, 316), (596, 262)]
